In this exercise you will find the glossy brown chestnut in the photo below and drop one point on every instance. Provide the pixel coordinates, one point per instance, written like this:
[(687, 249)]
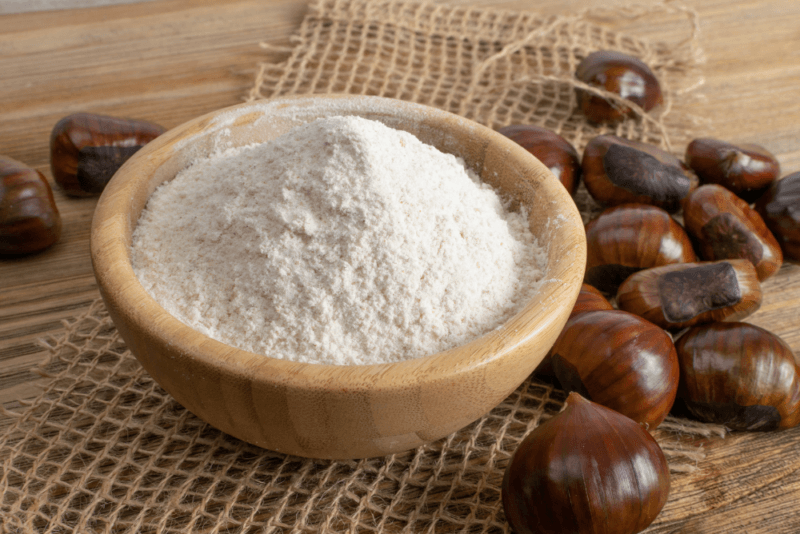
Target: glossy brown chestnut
[(631, 237), (554, 151), (780, 209), (619, 171), (87, 149), (746, 170), (619, 360), (739, 375), (29, 218), (723, 227), (589, 299), (686, 294), (621, 74), (587, 470)]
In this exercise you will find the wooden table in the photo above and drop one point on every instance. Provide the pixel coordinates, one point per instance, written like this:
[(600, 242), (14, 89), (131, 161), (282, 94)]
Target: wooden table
[(171, 60)]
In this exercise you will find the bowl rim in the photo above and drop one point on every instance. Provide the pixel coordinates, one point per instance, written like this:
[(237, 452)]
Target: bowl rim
[(113, 225)]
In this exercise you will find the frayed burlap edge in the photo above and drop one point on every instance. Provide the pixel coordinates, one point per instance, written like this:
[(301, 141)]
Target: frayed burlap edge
[(494, 44), (494, 67)]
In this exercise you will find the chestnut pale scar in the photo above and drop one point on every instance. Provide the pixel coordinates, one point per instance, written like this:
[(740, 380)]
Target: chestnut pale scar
[(687, 293), (642, 174), (754, 417), (728, 237)]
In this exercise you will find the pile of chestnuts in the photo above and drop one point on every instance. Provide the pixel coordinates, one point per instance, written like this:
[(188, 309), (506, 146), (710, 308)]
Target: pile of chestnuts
[(85, 151), (674, 263)]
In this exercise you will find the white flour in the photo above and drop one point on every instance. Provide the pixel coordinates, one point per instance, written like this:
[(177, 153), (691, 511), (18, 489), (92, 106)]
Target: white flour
[(342, 242)]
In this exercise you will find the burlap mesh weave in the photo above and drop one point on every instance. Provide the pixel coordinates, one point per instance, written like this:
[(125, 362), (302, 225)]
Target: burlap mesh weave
[(494, 67), (105, 449)]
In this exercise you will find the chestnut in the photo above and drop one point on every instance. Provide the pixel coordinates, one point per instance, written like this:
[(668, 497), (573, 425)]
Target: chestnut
[(589, 299), (725, 227), (29, 218), (554, 151), (739, 375), (621, 74), (619, 360), (587, 470), (746, 170), (86, 149), (681, 295), (780, 209), (630, 237), (620, 171)]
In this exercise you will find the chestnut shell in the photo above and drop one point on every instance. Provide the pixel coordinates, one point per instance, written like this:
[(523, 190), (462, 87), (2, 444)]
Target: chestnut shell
[(620, 171), (780, 209), (29, 218), (685, 294), (554, 151), (739, 375), (619, 360), (724, 226), (586, 470), (746, 170), (589, 299), (86, 149), (627, 238), (621, 74)]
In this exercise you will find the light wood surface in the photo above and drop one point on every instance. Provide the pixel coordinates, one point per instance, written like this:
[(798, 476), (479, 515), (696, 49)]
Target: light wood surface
[(170, 61), (26, 6), (330, 411)]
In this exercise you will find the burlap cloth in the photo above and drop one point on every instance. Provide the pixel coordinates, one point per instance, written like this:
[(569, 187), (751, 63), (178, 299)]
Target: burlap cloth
[(105, 449)]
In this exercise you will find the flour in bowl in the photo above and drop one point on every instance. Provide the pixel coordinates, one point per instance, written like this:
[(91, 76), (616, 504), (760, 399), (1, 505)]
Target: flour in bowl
[(341, 242)]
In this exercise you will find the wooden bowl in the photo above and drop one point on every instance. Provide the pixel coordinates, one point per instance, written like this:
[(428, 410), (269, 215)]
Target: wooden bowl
[(328, 411)]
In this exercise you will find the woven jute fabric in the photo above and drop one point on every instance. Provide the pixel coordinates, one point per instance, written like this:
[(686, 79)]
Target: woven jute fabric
[(105, 449), (494, 67)]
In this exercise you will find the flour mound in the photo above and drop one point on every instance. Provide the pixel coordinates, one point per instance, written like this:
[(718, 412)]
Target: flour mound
[(341, 242)]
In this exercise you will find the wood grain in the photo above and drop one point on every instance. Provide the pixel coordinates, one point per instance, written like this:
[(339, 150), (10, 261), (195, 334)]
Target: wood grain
[(171, 60), (167, 61)]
